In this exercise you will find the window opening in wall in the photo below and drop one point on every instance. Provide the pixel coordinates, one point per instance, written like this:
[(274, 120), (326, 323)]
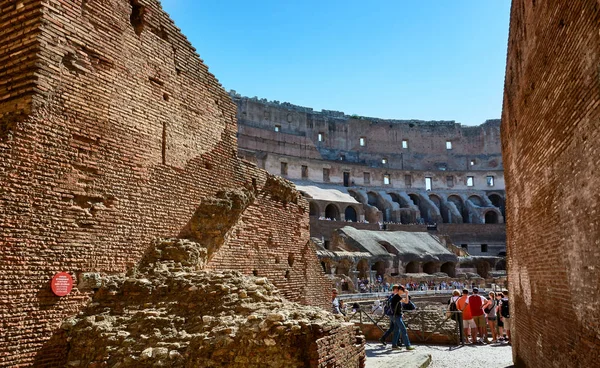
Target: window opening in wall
[(490, 181), (278, 128), (367, 178), (384, 161), (326, 244), (448, 145), (326, 175), (386, 179), (464, 246), (342, 157), (304, 172), (404, 143), (472, 162), (484, 248), (362, 141), (408, 181), (346, 179), (470, 181), (450, 181), (428, 184), (284, 168), (320, 137)]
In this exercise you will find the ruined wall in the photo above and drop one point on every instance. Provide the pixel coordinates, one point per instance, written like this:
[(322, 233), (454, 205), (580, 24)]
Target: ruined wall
[(299, 129), (550, 141), (112, 132)]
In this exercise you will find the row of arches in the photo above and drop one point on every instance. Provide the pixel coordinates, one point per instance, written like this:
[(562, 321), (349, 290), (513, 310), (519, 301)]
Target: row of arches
[(492, 208), (332, 211)]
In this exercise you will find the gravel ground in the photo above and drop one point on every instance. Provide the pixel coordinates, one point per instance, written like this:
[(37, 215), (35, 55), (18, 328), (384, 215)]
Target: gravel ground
[(488, 356)]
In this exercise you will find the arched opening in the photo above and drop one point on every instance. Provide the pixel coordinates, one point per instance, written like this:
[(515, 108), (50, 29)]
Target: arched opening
[(429, 268), (332, 212), (375, 202), (379, 267), (491, 217), (343, 267), (436, 200), (501, 265), (412, 267), (497, 201), (363, 268), (314, 209), (372, 199), (483, 269), (449, 268), (458, 202), (357, 195), (350, 214), (324, 267), (416, 200), (388, 247), (476, 200)]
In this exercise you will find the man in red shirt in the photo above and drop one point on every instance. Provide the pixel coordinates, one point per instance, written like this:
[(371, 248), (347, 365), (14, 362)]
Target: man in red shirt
[(475, 304), (469, 326)]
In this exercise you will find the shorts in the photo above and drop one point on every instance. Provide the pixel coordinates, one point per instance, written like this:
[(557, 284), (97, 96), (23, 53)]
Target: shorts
[(507, 324), (469, 323), (492, 319), (479, 320), (500, 323)]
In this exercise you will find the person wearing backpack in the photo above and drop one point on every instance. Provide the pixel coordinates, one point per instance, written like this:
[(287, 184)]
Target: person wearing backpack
[(388, 311), (505, 315), (400, 295), (455, 315)]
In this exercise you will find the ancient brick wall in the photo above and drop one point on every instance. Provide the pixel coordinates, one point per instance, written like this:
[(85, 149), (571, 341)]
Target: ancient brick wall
[(121, 132), (550, 141)]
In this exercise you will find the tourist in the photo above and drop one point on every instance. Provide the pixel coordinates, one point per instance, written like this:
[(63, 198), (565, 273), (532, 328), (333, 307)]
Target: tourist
[(469, 326), (505, 315), (342, 308), (335, 302), (490, 309), (376, 308), (455, 314), (499, 321), (400, 294), (388, 311), (476, 303)]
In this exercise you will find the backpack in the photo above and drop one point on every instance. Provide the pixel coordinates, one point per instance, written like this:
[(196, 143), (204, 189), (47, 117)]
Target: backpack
[(387, 308), (453, 310), (504, 312), (487, 310), (409, 306)]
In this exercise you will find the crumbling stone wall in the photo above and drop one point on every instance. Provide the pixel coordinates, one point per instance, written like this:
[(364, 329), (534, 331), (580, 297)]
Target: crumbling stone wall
[(170, 312), (550, 141), (112, 133)]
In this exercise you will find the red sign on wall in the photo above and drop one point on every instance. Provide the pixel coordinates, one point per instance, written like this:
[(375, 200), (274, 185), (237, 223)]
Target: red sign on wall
[(61, 284)]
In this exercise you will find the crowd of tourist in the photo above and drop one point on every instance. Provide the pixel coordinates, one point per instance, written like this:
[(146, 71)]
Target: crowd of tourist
[(475, 313), (379, 286)]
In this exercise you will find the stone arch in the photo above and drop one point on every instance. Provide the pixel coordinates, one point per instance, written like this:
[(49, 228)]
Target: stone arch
[(429, 268), (436, 200), (476, 200), (388, 247), (449, 268), (363, 268), (491, 217), (483, 269), (497, 201), (350, 214), (412, 267), (343, 267), (359, 196), (332, 212), (379, 267), (460, 206), (372, 199), (314, 209), (415, 198), (501, 265)]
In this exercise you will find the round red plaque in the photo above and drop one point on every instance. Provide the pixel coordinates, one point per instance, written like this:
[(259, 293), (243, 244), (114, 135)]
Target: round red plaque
[(62, 283)]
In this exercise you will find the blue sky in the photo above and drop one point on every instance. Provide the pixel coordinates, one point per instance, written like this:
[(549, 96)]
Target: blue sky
[(403, 59)]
